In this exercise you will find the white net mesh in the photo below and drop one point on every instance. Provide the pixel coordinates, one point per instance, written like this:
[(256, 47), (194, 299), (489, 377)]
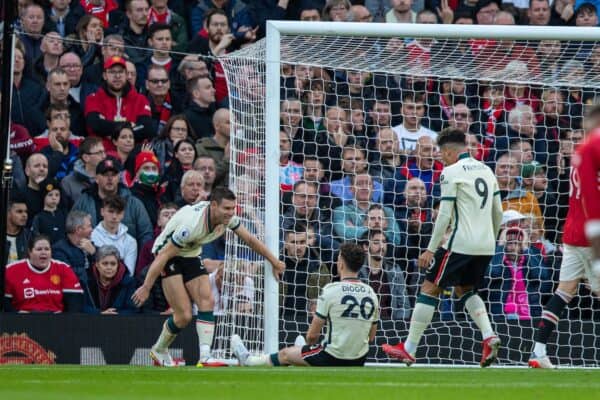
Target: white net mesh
[(359, 117)]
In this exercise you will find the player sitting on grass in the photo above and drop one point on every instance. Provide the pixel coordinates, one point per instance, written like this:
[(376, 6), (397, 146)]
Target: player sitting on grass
[(471, 205), (178, 249), (351, 310)]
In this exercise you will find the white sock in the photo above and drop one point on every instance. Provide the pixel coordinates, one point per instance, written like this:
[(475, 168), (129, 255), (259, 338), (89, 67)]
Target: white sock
[(539, 349), (205, 331), (255, 361), (421, 318), (165, 339), (476, 308)]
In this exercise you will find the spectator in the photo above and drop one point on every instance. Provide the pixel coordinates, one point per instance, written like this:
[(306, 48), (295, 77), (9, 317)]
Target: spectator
[(51, 48), (331, 139), (351, 219), (107, 184), (359, 13), (201, 107), (207, 166), (131, 74), (184, 157), (548, 53), (36, 170), (218, 42), (310, 12), (159, 96), (32, 24), (290, 118), (83, 175), (289, 171), (134, 29), (401, 12), (176, 129), (146, 183), (304, 274), (521, 150), (513, 196), (353, 162), (157, 301), (50, 221), (64, 15), (516, 279), (90, 34), (237, 13), (31, 284), (217, 146), (387, 157), (17, 235), (79, 88), (538, 12), (313, 100), (27, 95), (379, 116), (123, 142), (486, 10), (109, 287), (415, 216), (60, 152), (461, 117), (536, 182), (586, 14), (77, 249), (110, 231), (241, 294), (101, 9), (160, 13), (160, 42), (115, 102), (562, 12), (386, 279), (410, 130), (112, 46), (192, 189), (192, 66)]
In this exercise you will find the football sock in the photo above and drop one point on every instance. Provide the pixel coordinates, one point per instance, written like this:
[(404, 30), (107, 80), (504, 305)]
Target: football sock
[(167, 335), (476, 309), (205, 327), (255, 361), (549, 320), (421, 318)]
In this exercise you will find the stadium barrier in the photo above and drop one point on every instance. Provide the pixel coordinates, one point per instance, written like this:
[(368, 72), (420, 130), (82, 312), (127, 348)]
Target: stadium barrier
[(100, 340)]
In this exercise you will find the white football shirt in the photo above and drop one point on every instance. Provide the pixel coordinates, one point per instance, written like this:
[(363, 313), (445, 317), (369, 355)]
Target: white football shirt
[(189, 229), (407, 140), (350, 308), (471, 205)]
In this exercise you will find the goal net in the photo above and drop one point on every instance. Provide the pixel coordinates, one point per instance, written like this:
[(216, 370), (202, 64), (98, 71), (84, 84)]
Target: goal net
[(333, 140)]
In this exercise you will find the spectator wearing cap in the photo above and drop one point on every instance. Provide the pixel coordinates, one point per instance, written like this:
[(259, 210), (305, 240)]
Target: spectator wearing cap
[(107, 184), (115, 102), (146, 183), (535, 181), (17, 234), (112, 46), (50, 221), (586, 12), (516, 279), (83, 175), (160, 13)]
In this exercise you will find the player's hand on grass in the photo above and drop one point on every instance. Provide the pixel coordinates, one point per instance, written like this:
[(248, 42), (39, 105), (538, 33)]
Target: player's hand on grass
[(140, 296), (425, 259)]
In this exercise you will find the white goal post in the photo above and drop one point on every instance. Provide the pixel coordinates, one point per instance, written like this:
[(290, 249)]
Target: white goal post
[(256, 124)]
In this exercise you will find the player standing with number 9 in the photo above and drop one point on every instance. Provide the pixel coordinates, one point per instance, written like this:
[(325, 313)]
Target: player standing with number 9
[(471, 205)]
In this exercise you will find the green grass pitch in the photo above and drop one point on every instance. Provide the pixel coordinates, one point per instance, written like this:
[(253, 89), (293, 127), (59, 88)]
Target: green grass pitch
[(124, 383)]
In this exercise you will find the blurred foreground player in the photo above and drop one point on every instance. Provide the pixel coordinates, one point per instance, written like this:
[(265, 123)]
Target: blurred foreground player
[(351, 310)]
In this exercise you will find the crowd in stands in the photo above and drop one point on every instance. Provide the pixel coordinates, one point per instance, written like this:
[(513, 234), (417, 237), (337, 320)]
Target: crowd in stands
[(120, 116)]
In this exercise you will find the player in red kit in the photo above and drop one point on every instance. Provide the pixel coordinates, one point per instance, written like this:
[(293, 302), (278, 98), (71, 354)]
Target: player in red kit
[(584, 199), (41, 284), (589, 165)]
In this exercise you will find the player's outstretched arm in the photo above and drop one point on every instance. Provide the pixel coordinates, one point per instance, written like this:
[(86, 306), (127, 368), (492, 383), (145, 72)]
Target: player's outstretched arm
[(260, 248), (165, 254), (314, 330)]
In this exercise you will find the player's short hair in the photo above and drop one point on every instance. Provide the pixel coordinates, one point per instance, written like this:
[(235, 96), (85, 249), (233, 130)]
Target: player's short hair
[(353, 255), (116, 203), (36, 238), (221, 193), (451, 136), (75, 219)]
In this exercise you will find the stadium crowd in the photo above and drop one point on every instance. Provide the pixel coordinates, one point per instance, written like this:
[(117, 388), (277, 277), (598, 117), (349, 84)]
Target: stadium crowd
[(114, 127)]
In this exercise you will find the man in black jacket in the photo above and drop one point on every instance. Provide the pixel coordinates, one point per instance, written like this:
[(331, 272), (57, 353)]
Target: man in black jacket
[(202, 106), (16, 233), (77, 249)]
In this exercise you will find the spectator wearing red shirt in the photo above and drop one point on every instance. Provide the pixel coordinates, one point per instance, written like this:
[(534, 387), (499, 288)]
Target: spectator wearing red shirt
[(115, 102), (41, 284)]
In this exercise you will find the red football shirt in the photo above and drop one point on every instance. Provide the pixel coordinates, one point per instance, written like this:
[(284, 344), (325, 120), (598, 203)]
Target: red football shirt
[(584, 193), (36, 290)]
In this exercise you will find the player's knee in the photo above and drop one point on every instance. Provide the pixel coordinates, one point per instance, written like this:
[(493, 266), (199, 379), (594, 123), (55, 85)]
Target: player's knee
[(186, 317), (430, 289)]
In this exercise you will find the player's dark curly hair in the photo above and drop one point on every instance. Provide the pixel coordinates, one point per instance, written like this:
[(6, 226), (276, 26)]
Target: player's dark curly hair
[(451, 136), (353, 255)]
